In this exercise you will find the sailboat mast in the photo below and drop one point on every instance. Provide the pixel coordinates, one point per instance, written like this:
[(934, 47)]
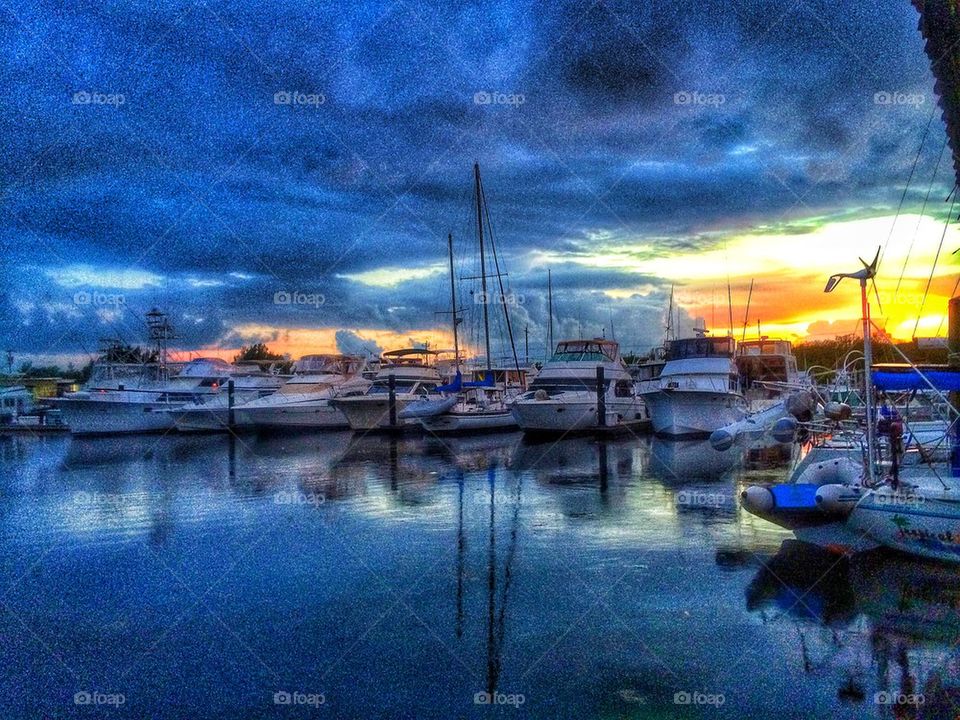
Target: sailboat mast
[(453, 304), (550, 311), (483, 267)]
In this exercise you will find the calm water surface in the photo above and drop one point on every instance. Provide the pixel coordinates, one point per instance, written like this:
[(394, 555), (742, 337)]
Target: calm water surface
[(333, 576)]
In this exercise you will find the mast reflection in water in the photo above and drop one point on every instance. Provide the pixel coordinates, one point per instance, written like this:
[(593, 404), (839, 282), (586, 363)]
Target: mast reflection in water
[(205, 577)]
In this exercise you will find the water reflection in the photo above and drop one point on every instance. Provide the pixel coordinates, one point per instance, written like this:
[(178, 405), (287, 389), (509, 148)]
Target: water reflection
[(597, 578), (884, 627), (680, 460)]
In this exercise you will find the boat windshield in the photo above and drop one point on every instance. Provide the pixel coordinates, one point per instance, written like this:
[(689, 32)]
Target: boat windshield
[(585, 350), (701, 347)]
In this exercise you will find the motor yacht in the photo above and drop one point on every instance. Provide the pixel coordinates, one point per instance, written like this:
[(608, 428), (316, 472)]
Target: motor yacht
[(414, 376), (698, 389), (566, 395)]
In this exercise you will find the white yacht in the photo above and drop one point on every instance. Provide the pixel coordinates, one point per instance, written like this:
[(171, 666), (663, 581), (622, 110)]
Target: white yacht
[(414, 378), (109, 405), (564, 396), (205, 413), (698, 389), (304, 400)]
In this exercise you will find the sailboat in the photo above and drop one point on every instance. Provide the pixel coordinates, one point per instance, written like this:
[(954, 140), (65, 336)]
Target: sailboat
[(482, 403)]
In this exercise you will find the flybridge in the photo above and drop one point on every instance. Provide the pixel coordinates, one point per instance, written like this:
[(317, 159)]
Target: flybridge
[(701, 347)]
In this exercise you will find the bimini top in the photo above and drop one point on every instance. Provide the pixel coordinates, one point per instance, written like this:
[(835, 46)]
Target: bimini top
[(895, 376), (586, 350)]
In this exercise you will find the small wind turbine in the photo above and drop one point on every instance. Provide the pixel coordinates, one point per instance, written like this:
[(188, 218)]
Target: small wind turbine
[(868, 272)]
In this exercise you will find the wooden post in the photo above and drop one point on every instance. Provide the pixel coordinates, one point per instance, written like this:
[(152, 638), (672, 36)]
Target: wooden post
[(601, 399), (230, 418), (392, 387)]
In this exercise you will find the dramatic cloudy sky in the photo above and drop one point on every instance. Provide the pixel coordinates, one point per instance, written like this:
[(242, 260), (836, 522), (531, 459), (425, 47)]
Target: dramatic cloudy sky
[(148, 159)]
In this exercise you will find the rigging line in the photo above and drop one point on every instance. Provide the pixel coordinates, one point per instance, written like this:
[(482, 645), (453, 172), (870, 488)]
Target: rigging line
[(920, 219), (906, 187), (933, 269), (496, 264)]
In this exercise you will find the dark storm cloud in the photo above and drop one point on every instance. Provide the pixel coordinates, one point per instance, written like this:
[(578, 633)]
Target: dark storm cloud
[(198, 173)]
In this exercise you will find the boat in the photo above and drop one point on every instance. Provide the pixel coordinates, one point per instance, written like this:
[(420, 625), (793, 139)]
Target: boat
[(405, 376), (584, 386), (205, 413), (302, 402), (480, 404), (153, 406), (698, 389)]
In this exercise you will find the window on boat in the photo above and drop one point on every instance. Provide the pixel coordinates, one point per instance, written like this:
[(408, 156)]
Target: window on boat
[(623, 388), (701, 347), (402, 386), (557, 386), (584, 350)]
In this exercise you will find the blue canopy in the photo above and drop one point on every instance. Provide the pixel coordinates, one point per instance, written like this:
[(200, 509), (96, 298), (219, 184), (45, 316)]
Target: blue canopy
[(487, 382), (453, 387), (909, 379)]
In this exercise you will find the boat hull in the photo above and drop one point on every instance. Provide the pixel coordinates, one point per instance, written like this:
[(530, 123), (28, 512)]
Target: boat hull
[(89, 416), (318, 415), (580, 415), (693, 414), (370, 413), (916, 524), (477, 422)]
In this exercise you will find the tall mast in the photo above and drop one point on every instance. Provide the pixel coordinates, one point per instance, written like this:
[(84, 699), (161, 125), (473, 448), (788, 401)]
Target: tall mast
[(550, 310), (453, 304), (483, 267)]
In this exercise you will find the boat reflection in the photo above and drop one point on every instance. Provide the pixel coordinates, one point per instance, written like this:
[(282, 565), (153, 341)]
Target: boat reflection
[(680, 460), (885, 626)]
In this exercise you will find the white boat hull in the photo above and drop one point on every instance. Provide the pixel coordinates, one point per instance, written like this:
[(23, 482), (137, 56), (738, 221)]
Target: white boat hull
[(469, 422), (367, 412), (89, 416), (319, 414), (913, 523), (677, 413), (558, 415)]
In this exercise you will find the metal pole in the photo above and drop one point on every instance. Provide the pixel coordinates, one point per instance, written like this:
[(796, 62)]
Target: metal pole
[(868, 379), (453, 305), (483, 269)]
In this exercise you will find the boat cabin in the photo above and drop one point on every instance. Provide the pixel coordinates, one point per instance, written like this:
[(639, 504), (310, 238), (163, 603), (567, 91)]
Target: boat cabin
[(766, 360), (595, 350), (701, 347)]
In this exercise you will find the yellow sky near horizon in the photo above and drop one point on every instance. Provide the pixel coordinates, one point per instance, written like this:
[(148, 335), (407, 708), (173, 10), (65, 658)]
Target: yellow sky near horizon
[(789, 266)]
